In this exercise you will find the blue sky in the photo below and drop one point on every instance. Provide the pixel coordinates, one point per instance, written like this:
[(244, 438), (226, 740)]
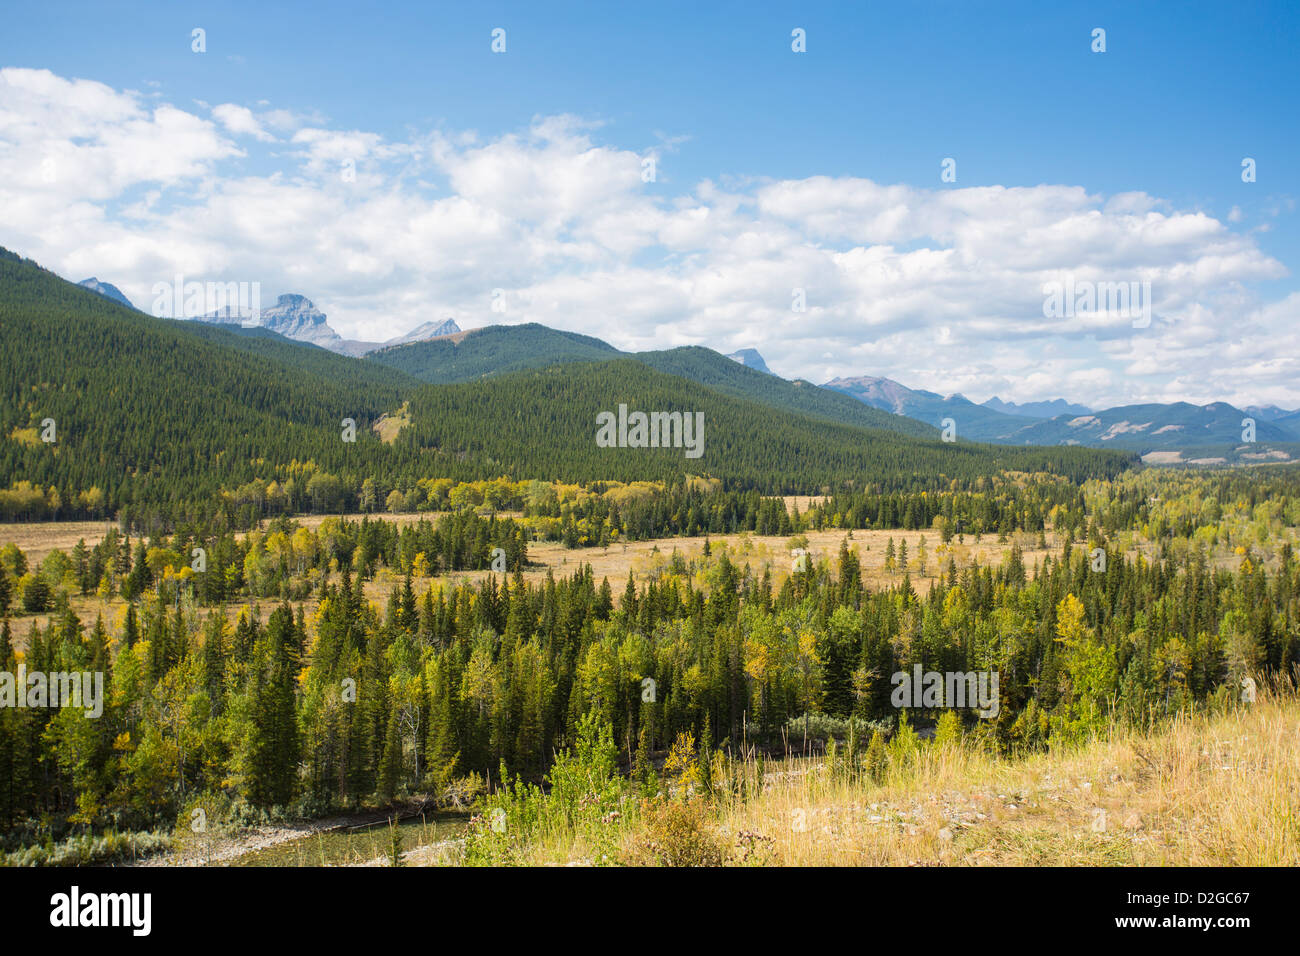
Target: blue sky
[(1012, 92)]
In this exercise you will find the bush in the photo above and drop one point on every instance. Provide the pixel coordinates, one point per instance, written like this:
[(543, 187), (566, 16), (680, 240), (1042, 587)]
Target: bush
[(89, 850), (823, 727), (679, 833), (877, 758)]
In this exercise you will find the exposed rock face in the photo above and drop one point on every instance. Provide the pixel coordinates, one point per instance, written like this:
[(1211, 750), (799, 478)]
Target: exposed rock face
[(295, 317), (107, 290), (750, 359), (881, 392), (429, 330)]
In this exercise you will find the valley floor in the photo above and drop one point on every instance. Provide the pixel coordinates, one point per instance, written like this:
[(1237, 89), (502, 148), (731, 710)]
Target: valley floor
[(643, 559)]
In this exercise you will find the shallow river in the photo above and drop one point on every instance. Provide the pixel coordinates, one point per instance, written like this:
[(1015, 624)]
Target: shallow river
[(342, 847)]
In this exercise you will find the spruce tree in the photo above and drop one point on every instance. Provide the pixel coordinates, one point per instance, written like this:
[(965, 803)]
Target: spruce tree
[(390, 764), (706, 756)]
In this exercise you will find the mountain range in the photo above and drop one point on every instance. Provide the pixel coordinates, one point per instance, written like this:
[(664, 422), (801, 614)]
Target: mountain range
[(1050, 409), (155, 415), (295, 317), (1170, 433), (441, 353)]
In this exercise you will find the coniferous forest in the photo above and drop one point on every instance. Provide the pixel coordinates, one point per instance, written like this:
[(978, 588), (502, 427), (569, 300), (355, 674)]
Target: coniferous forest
[(155, 421)]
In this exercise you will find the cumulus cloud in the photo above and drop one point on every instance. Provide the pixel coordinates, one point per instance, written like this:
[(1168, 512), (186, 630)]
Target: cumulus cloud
[(939, 288), (240, 121)]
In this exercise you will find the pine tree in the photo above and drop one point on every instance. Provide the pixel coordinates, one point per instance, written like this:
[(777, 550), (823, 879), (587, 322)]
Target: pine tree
[(395, 843), (81, 566), (706, 756), (408, 618), (98, 649), (629, 605), (643, 770), (390, 764), (274, 746), (36, 595), (131, 630), (443, 753)]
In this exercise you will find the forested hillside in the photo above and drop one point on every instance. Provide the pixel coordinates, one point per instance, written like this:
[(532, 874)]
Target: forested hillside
[(304, 356), (491, 351), (542, 424), (728, 376), (150, 411), (154, 420), (501, 349)]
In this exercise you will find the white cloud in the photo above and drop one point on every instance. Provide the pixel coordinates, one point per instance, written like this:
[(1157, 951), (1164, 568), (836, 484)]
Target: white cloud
[(240, 121), (941, 289), (69, 140)]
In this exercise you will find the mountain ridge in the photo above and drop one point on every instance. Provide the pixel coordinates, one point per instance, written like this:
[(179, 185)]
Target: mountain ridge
[(440, 352), (296, 317), (1144, 428), (156, 416), (1044, 409), (505, 349), (750, 359), (106, 289)]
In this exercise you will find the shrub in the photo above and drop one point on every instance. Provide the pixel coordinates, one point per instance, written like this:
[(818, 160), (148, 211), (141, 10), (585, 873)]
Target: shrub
[(679, 833), (88, 850), (877, 759)]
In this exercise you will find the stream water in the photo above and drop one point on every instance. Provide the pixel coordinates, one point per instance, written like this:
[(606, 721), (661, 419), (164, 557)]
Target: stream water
[(343, 847)]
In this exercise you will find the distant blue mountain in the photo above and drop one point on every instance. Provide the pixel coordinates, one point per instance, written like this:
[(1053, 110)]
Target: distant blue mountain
[(1270, 413), (750, 359), (1147, 429), (1057, 406), (107, 290)]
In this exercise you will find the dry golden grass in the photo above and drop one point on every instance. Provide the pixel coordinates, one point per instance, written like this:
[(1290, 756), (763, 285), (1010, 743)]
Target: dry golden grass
[(1206, 791), (645, 559), (37, 539), (389, 425), (1209, 790)]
